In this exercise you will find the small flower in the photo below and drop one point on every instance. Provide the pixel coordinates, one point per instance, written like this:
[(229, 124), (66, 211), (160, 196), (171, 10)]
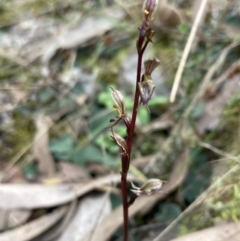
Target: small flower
[(146, 87), (150, 187), (119, 106), (146, 90), (150, 65), (149, 8), (120, 142)]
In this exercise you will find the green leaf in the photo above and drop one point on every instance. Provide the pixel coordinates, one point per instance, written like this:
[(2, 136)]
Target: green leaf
[(91, 154), (100, 119), (144, 116), (115, 200), (62, 147), (159, 100), (183, 28), (168, 212), (30, 171), (105, 99), (46, 95), (198, 110), (198, 177)]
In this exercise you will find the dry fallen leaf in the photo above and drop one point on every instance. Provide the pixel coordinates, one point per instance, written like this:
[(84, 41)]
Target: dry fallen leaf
[(17, 217), (53, 233), (12, 218), (91, 210), (32, 229), (88, 28), (214, 107), (68, 172), (222, 232), (32, 196), (12, 174)]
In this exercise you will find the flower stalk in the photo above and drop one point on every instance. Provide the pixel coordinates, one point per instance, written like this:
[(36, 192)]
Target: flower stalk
[(143, 93)]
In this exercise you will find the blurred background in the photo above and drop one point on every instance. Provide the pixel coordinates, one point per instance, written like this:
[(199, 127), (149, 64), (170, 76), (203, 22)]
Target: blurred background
[(59, 167)]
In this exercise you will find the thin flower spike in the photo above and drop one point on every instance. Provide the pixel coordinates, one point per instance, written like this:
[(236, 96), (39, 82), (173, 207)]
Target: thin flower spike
[(150, 187)]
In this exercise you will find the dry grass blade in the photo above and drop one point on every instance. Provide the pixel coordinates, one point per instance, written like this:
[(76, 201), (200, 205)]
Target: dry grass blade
[(32, 229), (224, 232), (143, 204), (31, 196), (187, 50)]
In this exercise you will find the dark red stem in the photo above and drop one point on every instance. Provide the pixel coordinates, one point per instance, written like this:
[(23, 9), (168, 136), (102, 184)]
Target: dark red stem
[(141, 46), (125, 205)]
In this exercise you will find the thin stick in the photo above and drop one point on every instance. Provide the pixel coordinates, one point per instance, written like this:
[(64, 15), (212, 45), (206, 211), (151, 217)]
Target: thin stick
[(187, 50)]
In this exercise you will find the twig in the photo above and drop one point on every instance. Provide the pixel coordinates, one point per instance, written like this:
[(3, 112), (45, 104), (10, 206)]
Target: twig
[(186, 51)]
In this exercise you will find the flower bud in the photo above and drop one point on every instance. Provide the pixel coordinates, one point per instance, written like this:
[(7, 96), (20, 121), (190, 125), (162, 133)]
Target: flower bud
[(149, 8), (120, 142), (119, 102), (148, 188)]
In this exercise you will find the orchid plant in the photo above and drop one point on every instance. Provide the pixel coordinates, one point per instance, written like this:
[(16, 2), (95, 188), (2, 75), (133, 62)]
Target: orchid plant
[(143, 93)]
